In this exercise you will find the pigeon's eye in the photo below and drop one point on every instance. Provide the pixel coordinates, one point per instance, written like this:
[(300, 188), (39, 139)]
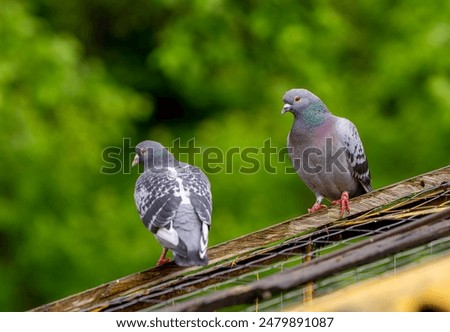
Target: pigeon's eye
[(297, 98), (143, 150)]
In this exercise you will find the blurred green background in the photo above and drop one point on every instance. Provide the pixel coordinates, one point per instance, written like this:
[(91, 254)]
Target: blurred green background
[(80, 76)]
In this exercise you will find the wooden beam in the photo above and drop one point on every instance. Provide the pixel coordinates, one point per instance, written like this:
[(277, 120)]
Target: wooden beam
[(95, 298), (408, 236)]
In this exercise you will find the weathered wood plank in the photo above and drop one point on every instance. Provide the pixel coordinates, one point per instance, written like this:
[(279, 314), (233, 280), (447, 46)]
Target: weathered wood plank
[(243, 245), (408, 236)]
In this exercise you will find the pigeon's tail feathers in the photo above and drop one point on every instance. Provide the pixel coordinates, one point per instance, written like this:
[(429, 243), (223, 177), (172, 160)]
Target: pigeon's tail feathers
[(362, 173), (193, 234), (186, 255), (191, 259), (366, 185), (203, 241)]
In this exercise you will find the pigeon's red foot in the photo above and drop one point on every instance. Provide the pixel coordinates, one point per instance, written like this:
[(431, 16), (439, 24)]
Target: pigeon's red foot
[(343, 202), (163, 260), (316, 207)]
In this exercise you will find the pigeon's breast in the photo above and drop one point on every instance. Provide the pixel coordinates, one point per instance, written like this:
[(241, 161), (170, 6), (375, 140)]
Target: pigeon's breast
[(329, 184), (322, 164)]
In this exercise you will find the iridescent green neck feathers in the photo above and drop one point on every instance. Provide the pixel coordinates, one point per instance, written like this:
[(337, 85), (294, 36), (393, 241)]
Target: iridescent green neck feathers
[(314, 115)]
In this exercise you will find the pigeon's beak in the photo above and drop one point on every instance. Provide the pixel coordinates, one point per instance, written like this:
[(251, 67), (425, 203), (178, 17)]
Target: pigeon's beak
[(135, 161), (286, 108)]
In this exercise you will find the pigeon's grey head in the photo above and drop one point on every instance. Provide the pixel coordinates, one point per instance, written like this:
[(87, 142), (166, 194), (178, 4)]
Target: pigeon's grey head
[(297, 101), (153, 155)]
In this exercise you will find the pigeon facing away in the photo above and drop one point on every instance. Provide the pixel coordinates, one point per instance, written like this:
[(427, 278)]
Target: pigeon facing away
[(326, 151), (174, 202)]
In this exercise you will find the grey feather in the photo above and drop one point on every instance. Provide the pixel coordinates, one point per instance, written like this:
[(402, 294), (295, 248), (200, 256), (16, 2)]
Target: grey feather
[(326, 150), (174, 202)]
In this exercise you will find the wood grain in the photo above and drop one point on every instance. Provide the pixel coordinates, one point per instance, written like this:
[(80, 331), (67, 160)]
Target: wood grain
[(142, 283)]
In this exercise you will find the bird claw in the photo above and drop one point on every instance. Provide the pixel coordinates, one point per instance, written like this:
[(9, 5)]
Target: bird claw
[(316, 207), (163, 260), (343, 202)]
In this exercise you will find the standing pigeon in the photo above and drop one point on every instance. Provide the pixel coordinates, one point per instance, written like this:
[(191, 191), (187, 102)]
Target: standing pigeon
[(174, 202), (326, 151)]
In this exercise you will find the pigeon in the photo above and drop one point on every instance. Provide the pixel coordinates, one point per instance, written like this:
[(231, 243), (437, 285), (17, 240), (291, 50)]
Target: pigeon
[(174, 202), (326, 151)]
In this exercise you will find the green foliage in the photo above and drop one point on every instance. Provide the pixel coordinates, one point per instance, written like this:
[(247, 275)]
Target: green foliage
[(57, 216), (76, 77)]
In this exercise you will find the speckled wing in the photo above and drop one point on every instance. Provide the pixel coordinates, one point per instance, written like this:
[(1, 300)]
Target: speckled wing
[(155, 200), (199, 188), (355, 153)]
